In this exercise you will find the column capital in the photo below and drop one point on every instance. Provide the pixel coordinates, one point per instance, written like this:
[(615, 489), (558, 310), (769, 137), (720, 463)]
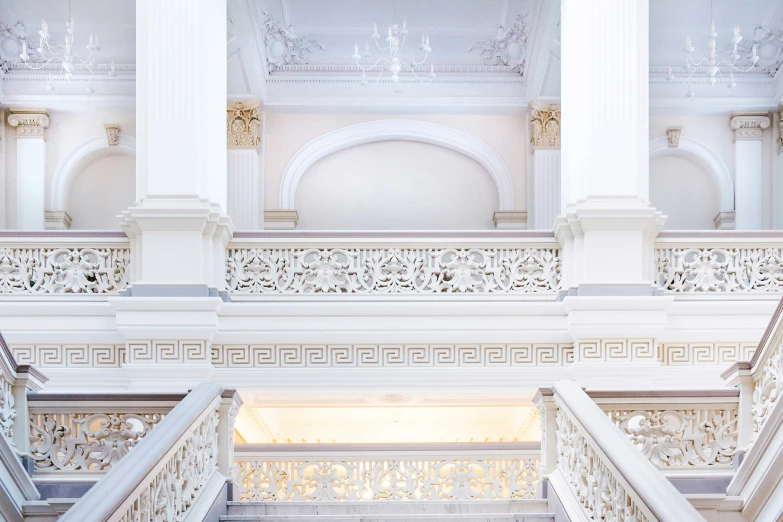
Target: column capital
[(749, 125), (29, 123), (545, 126), (242, 123)]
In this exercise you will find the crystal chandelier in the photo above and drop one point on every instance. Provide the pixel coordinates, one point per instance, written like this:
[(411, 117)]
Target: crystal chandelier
[(392, 60), (715, 62), (50, 52)]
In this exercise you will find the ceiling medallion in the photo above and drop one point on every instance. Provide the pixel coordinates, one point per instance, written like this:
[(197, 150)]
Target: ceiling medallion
[(393, 59), (283, 47), (735, 57), (508, 47), (50, 52)]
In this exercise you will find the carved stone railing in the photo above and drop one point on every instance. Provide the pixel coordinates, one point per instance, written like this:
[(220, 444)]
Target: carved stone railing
[(726, 262), (84, 435), (393, 263), (177, 471), (63, 262), (370, 472), (678, 431), (595, 471)]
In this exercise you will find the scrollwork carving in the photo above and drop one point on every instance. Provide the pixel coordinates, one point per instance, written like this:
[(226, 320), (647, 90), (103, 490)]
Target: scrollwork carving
[(597, 490), (283, 46), (720, 269), (767, 389), (63, 270), (508, 46), (392, 270), (681, 438), (86, 441), (169, 494), (419, 479)]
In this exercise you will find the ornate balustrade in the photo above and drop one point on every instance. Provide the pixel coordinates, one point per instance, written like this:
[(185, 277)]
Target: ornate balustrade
[(382, 472), (595, 471), (84, 435), (177, 470), (63, 263), (393, 263), (678, 431), (726, 262)]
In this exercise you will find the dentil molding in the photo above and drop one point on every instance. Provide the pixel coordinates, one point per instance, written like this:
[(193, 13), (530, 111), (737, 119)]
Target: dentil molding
[(749, 125), (29, 123), (242, 123), (545, 126)]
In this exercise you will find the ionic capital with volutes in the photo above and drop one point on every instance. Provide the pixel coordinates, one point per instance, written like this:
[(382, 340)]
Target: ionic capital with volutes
[(749, 125), (29, 123)]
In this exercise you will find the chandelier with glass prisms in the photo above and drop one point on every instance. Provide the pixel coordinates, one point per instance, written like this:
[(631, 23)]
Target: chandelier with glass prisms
[(714, 62), (393, 58)]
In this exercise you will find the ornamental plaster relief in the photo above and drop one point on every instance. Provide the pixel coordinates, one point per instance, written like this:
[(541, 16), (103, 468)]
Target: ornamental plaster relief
[(673, 135), (29, 123), (242, 126), (749, 126), (545, 126), (108, 356), (283, 46), (508, 47)]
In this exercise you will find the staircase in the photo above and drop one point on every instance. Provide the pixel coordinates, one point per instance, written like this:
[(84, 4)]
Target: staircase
[(397, 510)]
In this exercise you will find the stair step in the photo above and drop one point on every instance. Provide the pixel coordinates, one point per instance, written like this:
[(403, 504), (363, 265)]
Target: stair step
[(389, 507)]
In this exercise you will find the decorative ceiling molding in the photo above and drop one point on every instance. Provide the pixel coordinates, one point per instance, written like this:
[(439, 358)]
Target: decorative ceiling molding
[(508, 47), (283, 46), (11, 38)]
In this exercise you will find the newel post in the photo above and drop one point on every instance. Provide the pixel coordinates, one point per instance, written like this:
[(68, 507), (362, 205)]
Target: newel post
[(740, 375), (547, 415), (230, 403)]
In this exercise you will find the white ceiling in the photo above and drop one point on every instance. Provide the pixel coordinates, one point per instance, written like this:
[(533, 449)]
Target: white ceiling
[(328, 78)]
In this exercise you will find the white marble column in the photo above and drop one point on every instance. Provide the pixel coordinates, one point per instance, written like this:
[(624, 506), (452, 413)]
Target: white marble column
[(748, 130), (545, 138), (243, 122), (31, 128), (178, 226), (607, 225)]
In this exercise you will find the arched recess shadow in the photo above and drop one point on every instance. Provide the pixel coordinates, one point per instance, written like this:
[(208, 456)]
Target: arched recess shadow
[(707, 160), (88, 152), (397, 130)]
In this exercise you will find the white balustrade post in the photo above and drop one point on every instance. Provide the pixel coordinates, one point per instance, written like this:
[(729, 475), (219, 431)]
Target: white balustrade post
[(31, 125), (740, 376), (178, 224), (28, 379), (230, 403), (547, 416), (244, 201), (748, 130), (606, 215), (545, 138)]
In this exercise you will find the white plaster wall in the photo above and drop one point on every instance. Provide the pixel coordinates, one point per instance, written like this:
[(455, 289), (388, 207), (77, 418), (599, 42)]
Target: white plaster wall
[(67, 131), (684, 193), (396, 185), (286, 133), (103, 189)]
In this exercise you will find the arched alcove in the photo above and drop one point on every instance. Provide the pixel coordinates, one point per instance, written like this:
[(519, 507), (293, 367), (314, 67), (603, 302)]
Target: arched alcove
[(706, 160), (684, 192), (95, 183), (397, 130), (395, 185)]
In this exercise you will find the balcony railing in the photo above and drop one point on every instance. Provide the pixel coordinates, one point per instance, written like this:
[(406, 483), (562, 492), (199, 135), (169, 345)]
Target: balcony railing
[(393, 263), (63, 262), (725, 262), (329, 472)]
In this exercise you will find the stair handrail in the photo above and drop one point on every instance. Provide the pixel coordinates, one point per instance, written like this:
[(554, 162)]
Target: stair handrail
[(188, 436), (596, 460)]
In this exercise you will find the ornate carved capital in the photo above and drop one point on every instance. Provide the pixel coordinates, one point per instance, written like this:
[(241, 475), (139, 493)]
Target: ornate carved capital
[(112, 133), (29, 123), (749, 125), (545, 126), (780, 129), (674, 136), (242, 125)]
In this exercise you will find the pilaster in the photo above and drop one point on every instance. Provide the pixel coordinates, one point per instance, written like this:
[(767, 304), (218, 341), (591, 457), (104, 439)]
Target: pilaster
[(748, 130), (242, 126), (31, 125), (545, 138)]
